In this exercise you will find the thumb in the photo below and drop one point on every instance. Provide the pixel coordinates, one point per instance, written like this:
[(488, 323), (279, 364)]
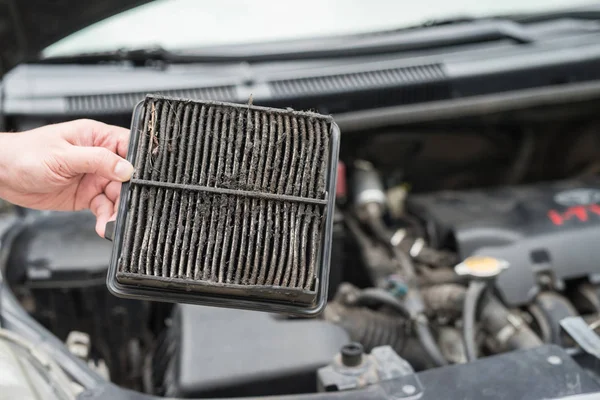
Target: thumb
[(99, 161)]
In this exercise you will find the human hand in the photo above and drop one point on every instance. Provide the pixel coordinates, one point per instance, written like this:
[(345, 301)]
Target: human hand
[(66, 167)]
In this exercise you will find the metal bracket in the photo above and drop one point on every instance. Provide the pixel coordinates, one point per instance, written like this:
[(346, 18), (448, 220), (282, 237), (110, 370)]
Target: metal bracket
[(407, 387), (383, 366), (582, 334)]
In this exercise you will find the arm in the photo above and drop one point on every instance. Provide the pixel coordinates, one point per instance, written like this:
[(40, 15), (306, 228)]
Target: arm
[(66, 167)]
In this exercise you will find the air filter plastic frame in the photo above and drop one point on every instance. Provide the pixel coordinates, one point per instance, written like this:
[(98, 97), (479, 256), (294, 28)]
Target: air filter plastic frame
[(262, 298)]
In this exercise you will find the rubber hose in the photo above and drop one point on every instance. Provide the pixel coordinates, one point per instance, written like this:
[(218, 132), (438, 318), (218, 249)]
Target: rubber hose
[(373, 329), (494, 317), (446, 298), (407, 265), (437, 258), (422, 330), (375, 295), (472, 298), (413, 300), (431, 277), (383, 234), (429, 344), (362, 240), (369, 327)]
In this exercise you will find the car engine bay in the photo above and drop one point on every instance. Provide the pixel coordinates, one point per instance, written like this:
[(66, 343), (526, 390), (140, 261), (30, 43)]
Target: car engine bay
[(517, 189)]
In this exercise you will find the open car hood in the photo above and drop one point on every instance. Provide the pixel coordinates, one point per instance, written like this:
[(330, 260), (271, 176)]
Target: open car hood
[(29, 26)]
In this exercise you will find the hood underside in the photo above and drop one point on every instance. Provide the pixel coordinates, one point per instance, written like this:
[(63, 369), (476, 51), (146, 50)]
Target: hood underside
[(29, 26)]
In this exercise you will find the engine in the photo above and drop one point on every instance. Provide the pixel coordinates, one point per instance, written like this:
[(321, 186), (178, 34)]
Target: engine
[(425, 272), (546, 232), (490, 270), (394, 283), (397, 284)]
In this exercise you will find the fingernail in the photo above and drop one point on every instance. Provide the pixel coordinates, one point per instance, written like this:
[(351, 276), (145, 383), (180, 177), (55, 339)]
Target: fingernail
[(124, 170)]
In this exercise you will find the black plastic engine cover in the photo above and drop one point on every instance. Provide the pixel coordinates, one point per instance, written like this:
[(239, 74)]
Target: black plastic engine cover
[(56, 265), (214, 352), (59, 250), (550, 229)]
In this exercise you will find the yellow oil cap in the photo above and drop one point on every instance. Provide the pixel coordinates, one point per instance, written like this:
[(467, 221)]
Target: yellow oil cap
[(481, 267)]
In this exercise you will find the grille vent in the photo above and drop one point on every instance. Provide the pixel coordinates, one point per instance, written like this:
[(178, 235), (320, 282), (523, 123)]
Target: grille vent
[(420, 74), (229, 199), (101, 103)]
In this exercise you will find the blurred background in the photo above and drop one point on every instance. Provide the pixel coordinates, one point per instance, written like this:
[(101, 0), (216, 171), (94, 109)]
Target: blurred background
[(189, 23)]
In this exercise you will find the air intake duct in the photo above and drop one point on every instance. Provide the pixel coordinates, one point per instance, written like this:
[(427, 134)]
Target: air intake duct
[(230, 205)]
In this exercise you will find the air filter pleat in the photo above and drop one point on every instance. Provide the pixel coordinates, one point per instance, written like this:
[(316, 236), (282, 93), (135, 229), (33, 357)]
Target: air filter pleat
[(131, 239), (179, 206), (217, 205), (157, 168), (171, 203), (139, 214), (281, 160), (297, 209), (244, 167), (263, 126), (184, 225), (304, 210), (224, 234), (223, 179), (321, 154), (154, 166), (162, 221), (235, 174), (269, 136), (216, 273), (253, 126), (206, 210), (191, 236), (291, 243)]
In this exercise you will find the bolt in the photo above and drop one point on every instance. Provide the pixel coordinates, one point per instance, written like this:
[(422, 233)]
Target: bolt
[(352, 354), (409, 389), (545, 280), (554, 360)]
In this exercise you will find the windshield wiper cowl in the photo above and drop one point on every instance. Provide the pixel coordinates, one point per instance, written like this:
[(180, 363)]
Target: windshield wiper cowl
[(344, 46)]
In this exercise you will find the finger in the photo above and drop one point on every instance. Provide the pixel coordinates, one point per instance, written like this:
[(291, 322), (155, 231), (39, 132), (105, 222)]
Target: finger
[(90, 186), (113, 191), (99, 161), (123, 136), (113, 138), (113, 217), (90, 133), (103, 209)]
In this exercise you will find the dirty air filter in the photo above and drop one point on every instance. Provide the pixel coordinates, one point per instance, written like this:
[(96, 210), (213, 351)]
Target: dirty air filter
[(230, 205)]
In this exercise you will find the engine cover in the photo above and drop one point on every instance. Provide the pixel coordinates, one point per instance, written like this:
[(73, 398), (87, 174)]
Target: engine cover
[(214, 352), (550, 230)]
